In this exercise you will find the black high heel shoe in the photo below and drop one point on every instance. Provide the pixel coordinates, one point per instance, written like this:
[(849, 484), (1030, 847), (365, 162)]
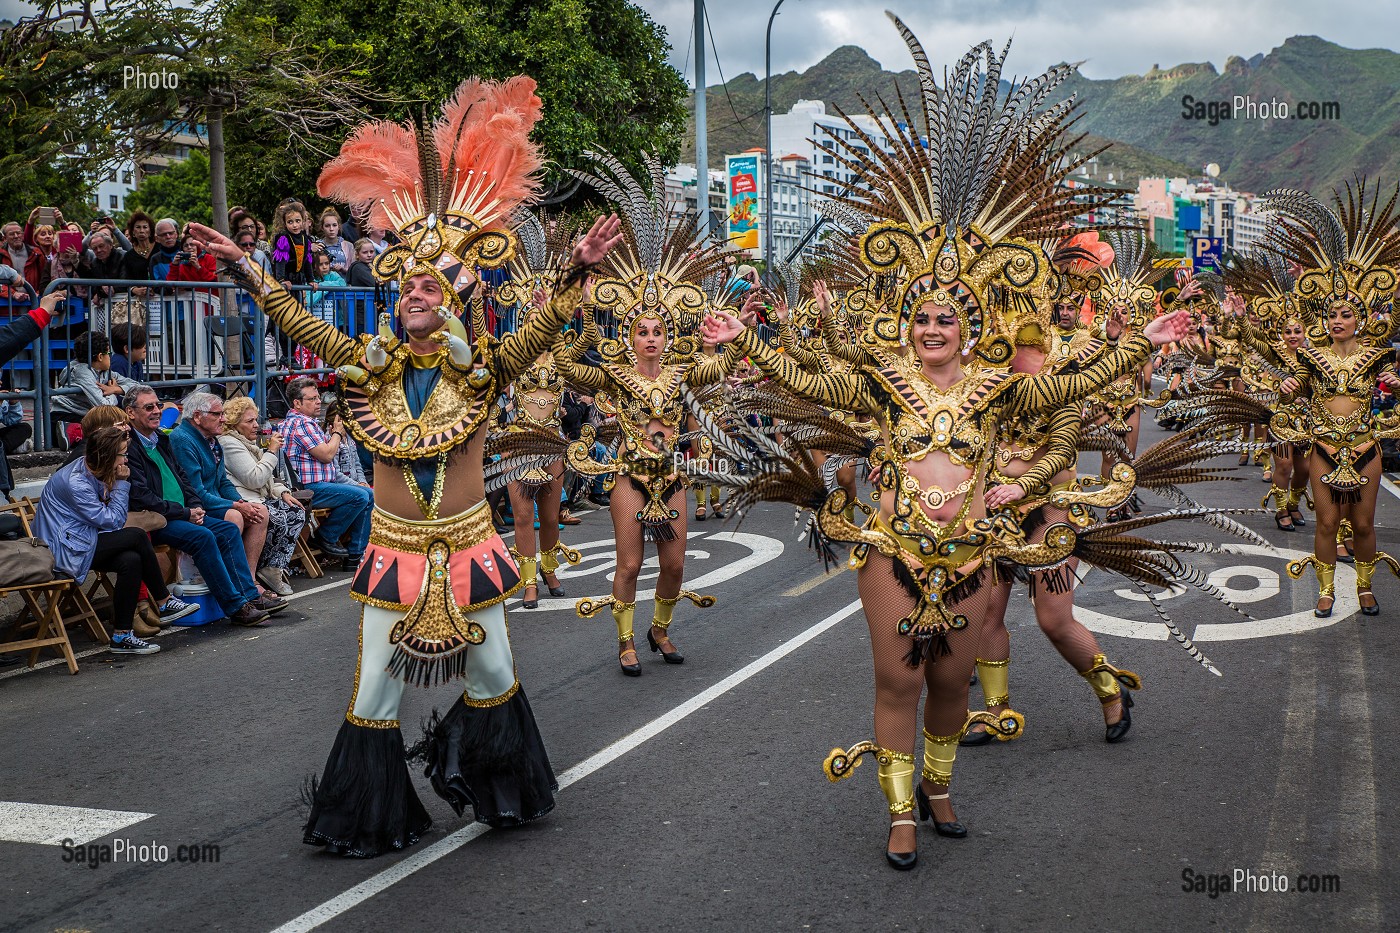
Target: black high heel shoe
[(902, 861), (671, 657), (1373, 610), (631, 670), (976, 738), (1325, 613), (953, 830), (1118, 731), (553, 590), (1298, 520), (530, 603)]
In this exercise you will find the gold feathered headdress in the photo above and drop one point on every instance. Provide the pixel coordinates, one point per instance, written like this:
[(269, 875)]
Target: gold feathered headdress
[(661, 267), (448, 187), (960, 207), (1349, 253)]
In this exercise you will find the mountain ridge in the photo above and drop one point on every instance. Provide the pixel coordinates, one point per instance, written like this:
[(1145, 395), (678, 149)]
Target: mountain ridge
[(1154, 132)]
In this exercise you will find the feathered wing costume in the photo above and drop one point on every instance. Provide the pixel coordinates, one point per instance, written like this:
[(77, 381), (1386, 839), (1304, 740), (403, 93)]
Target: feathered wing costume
[(434, 574), (1350, 259)]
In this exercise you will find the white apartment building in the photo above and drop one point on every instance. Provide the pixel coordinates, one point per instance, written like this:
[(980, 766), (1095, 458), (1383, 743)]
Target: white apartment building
[(798, 131)]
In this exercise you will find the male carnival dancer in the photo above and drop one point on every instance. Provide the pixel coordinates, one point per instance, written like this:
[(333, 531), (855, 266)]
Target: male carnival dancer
[(435, 576)]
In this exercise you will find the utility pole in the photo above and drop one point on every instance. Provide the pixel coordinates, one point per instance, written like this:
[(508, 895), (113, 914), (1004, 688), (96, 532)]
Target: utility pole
[(768, 144), (702, 143)]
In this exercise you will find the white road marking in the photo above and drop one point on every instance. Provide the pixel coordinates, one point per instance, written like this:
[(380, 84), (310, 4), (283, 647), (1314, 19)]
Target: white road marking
[(50, 825), (1390, 487), (1291, 623), (762, 549), (422, 859)]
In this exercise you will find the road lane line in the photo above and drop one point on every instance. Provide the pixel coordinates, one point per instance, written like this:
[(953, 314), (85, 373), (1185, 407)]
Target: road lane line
[(1288, 817), (375, 884), (1356, 785), (816, 581), (50, 825), (1390, 487)]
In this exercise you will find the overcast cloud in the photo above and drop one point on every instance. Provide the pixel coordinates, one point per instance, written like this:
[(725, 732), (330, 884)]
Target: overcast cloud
[(1115, 38)]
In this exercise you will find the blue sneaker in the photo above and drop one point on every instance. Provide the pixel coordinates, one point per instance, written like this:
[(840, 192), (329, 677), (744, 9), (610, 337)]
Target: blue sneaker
[(127, 643), (176, 608)]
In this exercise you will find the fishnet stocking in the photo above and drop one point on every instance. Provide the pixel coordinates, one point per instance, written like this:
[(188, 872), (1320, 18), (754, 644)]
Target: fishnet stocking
[(899, 686)]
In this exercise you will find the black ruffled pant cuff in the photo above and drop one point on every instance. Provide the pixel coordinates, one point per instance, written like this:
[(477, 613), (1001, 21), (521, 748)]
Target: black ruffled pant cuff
[(491, 758), (365, 805)]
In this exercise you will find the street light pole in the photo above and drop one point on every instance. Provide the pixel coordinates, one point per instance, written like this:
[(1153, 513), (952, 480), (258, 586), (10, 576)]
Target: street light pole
[(768, 145), (702, 143)]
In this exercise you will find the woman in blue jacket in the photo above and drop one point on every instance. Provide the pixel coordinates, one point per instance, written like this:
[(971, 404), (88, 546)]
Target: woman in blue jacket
[(81, 517)]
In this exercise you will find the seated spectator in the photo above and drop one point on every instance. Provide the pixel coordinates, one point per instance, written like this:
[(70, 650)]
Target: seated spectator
[(196, 442), (129, 351), (158, 484), (312, 453), (82, 517), (253, 471), (349, 465), (90, 372), (101, 416), (106, 224)]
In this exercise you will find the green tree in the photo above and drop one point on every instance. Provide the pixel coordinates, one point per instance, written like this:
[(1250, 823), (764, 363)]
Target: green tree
[(600, 64), (95, 88), (181, 192)]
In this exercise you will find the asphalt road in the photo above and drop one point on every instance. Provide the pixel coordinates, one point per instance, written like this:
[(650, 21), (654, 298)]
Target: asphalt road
[(694, 797)]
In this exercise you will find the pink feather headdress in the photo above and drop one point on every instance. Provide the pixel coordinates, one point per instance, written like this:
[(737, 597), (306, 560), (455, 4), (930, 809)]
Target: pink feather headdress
[(448, 188)]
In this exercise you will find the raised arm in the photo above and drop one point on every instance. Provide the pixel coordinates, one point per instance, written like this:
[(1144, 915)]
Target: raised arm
[(1048, 393), (846, 392), (715, 368), (520, 349), (321, 338)]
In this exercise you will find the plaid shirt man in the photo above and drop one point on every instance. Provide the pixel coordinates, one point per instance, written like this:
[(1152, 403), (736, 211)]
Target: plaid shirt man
[(300, 434)]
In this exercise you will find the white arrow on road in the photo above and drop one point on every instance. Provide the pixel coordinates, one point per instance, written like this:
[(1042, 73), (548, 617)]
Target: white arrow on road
[(50, 825)]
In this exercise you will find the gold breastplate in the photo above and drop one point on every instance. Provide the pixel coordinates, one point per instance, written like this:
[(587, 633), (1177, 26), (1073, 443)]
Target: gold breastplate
[(541, 377), (380, 418)]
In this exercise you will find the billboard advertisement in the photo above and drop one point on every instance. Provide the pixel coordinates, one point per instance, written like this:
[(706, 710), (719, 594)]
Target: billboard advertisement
[(743, 201)]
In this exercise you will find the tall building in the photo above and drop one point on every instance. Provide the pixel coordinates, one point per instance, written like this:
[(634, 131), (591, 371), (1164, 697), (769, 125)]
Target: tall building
[(798, 131), (150, 158)]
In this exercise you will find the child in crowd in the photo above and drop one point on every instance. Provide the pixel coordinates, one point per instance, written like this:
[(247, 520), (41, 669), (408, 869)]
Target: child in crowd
[(339, 249), (129, 351), (89, 371), (293, 262)]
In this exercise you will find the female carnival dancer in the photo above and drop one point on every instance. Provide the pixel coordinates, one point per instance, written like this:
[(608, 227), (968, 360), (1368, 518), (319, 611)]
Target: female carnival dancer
[(435, 575), (1350, 255), (948, 215), (538, 394), (1266, 282), (648, 287), (1047, 444)]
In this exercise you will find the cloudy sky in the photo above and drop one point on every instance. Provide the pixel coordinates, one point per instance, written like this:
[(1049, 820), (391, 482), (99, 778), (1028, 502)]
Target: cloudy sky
[(1115, 38)]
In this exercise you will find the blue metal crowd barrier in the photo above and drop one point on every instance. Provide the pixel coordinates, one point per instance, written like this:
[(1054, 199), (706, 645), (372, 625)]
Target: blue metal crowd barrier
[(198, 333)]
